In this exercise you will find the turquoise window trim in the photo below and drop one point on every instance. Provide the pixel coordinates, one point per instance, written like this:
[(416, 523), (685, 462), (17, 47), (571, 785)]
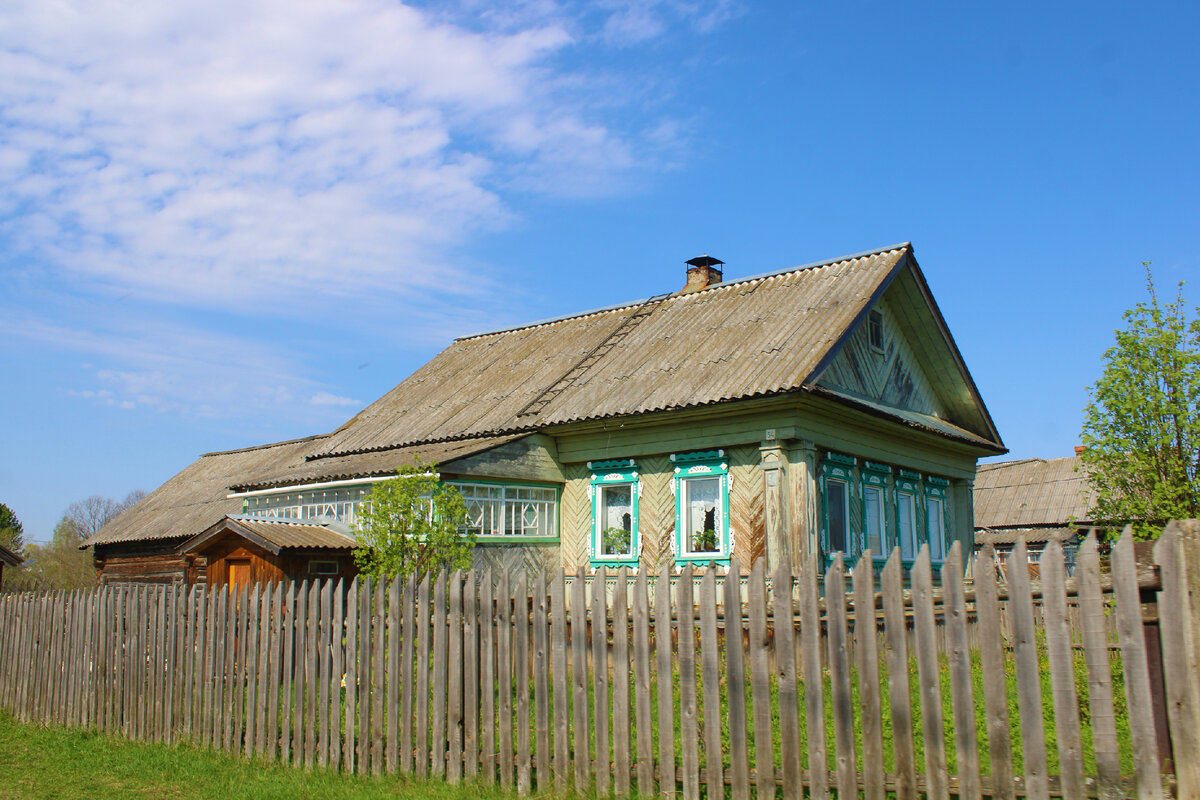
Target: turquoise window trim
[(843, 469), (614, 472), (701, 464), (938, 488)]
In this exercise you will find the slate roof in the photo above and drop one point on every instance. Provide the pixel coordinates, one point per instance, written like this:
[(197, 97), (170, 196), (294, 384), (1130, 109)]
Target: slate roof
[(743, 338), (1030, 492), (277, 534), (197, 497), (9, 557)]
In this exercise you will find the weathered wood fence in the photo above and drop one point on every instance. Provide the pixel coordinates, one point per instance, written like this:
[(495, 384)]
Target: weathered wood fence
[(695, 685)]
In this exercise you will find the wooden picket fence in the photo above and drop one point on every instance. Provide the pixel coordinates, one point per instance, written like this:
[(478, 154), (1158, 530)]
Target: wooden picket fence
[(693, 685)]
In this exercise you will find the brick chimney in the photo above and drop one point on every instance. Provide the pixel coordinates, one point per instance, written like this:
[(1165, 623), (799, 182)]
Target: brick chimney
[(1079, 449), (702, 271)]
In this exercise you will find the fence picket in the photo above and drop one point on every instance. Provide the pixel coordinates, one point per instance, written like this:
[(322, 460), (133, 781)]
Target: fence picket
[(454, 713), (338, 669), (897, 669), (424, 631), (735, 674), (689, 731), (487, 672), (1137, 674), (312, 674), (393, 674), (287, 668), (504, 663), (600, 679), (407, 654), (521, 657), (814, 683), (1183, 702), (839, 679), (378, 636), (438, 714), (558, 660), (710, 671), (324, 631), (250, 661), (1062, 672), (664, 683), (1029, 694), (349, 763), (579, 678), (966, 749), (275, 674), (866, 657), (362, 754), (995, 687), (299, 649), (760, 683), (620, 727), (541, 682), (643, 696), (471, 687)]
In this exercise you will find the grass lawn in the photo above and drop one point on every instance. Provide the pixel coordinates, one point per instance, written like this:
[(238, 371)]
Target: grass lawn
[(38, 762)]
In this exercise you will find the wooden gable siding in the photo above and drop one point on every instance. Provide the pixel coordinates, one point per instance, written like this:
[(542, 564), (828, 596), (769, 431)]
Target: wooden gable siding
[(532, 458), (893, 377)]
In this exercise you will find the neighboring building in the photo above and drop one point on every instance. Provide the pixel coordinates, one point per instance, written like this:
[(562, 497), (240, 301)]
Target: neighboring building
[(1040, 500), (819, 408), (8, 558)]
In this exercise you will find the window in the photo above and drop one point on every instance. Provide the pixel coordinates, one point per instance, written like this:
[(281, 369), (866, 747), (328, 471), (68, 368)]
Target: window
[(323, 566), (614, 491), (495, 510), (837, 475), (701, 487), (936, 517), (865, 505), (875, 330)]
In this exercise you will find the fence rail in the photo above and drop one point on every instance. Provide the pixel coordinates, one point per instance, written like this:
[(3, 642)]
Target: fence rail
[(764, 686)]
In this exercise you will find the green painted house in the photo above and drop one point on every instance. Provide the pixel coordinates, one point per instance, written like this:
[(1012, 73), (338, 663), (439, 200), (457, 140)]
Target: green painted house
[(818, 408)]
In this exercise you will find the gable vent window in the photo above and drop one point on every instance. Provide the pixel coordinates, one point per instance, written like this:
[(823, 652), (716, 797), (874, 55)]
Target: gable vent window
[(875, 330), (323, 566)]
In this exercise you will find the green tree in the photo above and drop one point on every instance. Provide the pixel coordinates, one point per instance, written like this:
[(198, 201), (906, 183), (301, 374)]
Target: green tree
[(1141, 426), (12, 533), (411, 524)]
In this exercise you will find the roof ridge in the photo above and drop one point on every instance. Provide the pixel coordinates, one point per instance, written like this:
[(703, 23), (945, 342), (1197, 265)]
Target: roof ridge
[(724, 284), (266, 446)]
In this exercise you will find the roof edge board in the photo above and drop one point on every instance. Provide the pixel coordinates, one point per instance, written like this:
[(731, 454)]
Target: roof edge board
[(944, 329), (832, 353), (301, 440)]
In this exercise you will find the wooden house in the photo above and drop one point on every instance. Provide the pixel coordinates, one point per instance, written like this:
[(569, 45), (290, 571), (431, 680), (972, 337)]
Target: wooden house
[(1036, 499), (820, 408), (10, 559)]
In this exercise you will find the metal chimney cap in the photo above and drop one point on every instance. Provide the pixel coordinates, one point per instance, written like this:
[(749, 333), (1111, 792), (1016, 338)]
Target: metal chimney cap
[(704, 261)]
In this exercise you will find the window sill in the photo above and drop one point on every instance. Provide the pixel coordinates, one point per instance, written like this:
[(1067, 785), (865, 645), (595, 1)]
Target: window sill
[(505, 539)]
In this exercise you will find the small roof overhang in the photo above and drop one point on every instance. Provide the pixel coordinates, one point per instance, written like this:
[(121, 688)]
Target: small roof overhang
[(9, 557), (274, 534)]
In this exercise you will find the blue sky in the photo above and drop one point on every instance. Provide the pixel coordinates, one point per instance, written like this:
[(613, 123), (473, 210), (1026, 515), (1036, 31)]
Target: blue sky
[(225, 223)]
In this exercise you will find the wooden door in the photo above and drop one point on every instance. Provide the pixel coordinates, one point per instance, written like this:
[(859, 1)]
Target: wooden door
[(238, 572)]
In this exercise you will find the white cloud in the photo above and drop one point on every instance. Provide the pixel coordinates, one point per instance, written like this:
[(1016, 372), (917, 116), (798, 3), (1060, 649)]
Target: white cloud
[(225, 152), (328, 399)]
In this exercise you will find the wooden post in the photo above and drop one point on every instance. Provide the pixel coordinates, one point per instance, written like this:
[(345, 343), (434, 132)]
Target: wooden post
[(1178, 556)]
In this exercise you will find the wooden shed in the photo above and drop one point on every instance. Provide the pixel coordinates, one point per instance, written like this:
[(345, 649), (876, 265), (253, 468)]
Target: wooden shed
[(8, 558), (243, 549)]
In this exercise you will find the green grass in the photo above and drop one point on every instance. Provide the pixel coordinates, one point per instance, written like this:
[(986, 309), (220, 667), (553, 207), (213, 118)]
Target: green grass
[(61, 763)]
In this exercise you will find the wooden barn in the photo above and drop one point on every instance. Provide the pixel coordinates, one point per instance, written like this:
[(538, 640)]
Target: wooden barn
[(1036, 499), (821, 408)]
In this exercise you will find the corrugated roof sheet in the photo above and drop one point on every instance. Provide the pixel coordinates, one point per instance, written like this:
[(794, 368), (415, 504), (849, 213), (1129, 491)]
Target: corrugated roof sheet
[(366, 465), (9, 557), (1033, 491), (197, 497), (1007, 536), (746, 338), (284, 533)]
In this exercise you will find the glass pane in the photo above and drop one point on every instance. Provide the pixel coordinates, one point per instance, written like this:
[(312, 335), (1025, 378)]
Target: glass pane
[(701, 514), (906, 509), (835, 510), (616, 520), (937, 528), (873, 511)]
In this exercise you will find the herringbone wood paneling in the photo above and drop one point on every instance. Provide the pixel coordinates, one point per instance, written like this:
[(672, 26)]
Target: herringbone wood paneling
[(576, 521), (746, 506), (656, 510), (515, 558)]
